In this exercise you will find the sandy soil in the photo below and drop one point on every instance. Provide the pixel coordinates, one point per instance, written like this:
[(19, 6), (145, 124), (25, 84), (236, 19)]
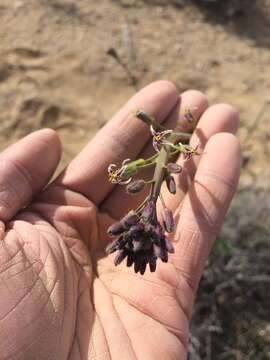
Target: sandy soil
[(55, 72)]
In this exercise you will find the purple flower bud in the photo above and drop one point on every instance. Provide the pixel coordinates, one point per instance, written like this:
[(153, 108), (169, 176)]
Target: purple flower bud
[(117, 244), (143, 268), (174, 168), (136, 266), (171, 184), (156, 250), (135, 186), (120, 257), (112, 247), (168, 220), (153, 264), (149, 210), (123, 240), (130, 219), (169, 246), (140, 264), (130, 260), (116, 229), (157, 233), (164, 255), (137, 245), (136, 230)]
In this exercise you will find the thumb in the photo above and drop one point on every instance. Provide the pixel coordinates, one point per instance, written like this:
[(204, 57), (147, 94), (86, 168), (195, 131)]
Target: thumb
[(25, 168)]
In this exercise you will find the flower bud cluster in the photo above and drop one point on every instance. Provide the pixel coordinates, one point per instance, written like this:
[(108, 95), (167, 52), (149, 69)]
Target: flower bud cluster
[(141, 239)]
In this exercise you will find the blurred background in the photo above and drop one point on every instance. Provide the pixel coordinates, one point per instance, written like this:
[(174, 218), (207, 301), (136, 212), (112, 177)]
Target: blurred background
[(70, 64)]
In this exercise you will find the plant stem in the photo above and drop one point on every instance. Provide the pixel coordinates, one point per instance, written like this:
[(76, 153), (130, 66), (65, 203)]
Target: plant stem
[(139, 208), (159, 173), (161, 162), (164, 154), (146, 165), (147, 162), (151, 159), (151, 121)]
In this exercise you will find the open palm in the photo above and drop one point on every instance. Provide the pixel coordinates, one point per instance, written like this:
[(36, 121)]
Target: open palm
[(61, 297)]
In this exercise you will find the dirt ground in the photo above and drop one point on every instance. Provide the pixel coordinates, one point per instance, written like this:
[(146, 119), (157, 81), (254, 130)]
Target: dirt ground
[(55, 71)]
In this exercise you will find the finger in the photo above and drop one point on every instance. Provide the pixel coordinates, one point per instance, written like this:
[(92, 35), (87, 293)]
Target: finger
[(123, 137), (217, 118), (204, 207), (25, 168), (119, 201)]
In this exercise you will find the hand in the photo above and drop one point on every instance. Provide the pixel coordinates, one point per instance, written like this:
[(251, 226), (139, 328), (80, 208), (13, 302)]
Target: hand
[(61, 295)]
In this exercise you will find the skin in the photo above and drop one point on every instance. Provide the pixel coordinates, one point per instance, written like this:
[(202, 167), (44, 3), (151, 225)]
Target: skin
[(61, 295)]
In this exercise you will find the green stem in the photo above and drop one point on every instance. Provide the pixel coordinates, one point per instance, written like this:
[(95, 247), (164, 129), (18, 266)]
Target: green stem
[(160, 170), (149, 120), (174, 152), (159, 173), (151, 159), (139, 208), (148, 162), (146, 165)]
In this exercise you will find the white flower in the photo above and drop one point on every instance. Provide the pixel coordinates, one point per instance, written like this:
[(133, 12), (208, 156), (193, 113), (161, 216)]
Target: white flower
[(159, 138), (119, 176)]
